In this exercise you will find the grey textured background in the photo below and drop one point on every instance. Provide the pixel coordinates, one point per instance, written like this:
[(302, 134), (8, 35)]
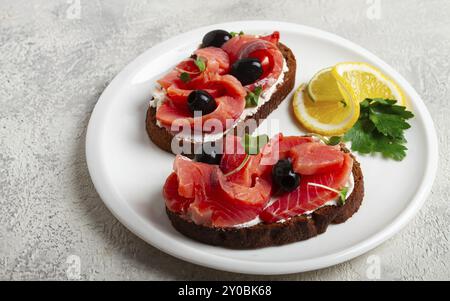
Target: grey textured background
[(54, 67)]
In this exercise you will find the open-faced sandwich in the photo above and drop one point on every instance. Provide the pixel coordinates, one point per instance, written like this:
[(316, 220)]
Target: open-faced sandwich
[(230, 78), (263, 194)]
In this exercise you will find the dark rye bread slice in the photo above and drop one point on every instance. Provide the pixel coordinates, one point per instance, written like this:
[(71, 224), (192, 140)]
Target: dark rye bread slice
[(163, 138), (276, 234)]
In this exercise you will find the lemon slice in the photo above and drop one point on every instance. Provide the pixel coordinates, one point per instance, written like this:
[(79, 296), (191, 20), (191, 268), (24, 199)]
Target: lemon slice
[(327, 118), (323, 87), (366, 81)]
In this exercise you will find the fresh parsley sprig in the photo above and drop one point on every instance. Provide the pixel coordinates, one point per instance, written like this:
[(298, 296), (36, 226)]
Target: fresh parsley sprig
[(200, 63), (252, 98), (233, 34), (380, 129), (342, 193), (185, 77)]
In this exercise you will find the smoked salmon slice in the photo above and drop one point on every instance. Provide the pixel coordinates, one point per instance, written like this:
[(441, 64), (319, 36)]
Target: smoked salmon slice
[(234, 157), (217, 60), (177, 118), (174, 201), (316, 158), (242, 46), (277, 149), (230, 104), (308, 198), (203, 193)]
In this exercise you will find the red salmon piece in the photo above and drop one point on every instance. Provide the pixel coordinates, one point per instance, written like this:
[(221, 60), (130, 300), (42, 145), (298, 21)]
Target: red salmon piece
[(244, 46), (289, 142), (256, 196), (174, 201), (178, 118), (277, 149), (217, 60), (309, 198), (203, 193), (217, 85), (227, 83), (192, 176), (232, 158), (214, 213), (230, 204), (179, 96), (230, 104), (230, 163), (315, 158), (171, 78), (189, 67), (273, 38)]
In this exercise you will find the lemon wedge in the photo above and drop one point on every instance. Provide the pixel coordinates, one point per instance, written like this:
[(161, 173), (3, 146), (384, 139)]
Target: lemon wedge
[(366, 81), (327, 118)]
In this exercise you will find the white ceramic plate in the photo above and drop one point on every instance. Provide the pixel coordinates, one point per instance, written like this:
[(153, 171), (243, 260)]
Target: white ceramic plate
[(129, 171)]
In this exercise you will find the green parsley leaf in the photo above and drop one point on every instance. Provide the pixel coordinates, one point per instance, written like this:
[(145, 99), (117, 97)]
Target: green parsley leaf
[(362, 140), (185, 77), (335, 140), (389, 124), (391, 148), (380, 129), (233, 33), (253, 145), (252, 98), (342, 193), (200, 63), (382, 101), (343, 196)]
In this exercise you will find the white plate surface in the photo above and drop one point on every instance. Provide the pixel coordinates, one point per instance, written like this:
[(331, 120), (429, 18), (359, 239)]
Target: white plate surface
[(129, 171)]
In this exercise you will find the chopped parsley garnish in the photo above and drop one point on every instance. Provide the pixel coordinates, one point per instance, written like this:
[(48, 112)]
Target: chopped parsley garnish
[(343, 196), (185, 77), (200, 63), (333, 141), (380, 129), (233, 34), (252, 98), (342, 193)]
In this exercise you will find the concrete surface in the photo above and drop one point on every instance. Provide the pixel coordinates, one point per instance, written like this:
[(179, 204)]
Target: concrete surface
[(56, 58)]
